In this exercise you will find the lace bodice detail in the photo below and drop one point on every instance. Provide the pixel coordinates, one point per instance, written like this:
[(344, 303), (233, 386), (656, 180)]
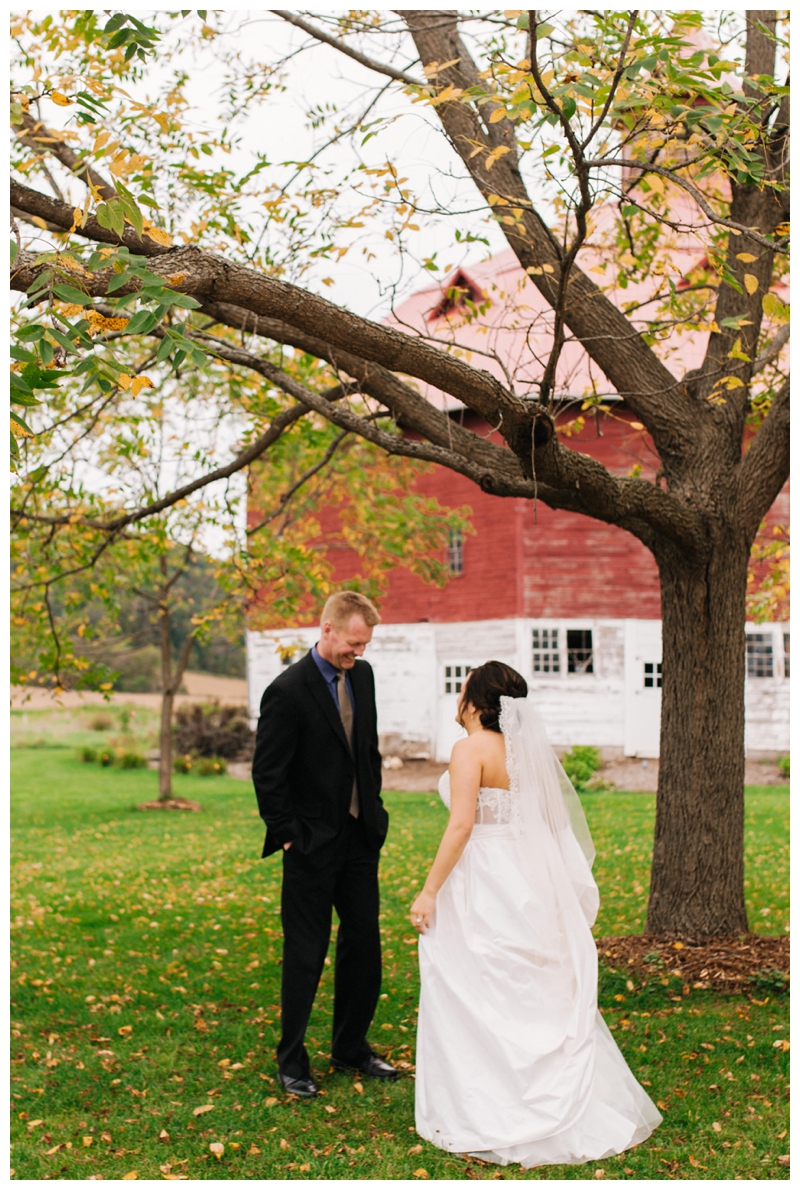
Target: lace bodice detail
[(494, 805)]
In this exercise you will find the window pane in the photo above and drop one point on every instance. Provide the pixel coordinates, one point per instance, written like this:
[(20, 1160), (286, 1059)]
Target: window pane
[(455, 551), (546, 658), (759, 655), (580, 658), (786, 636)]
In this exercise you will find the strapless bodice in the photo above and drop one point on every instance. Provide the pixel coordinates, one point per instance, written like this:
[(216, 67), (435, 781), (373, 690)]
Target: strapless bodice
[(493, 806)]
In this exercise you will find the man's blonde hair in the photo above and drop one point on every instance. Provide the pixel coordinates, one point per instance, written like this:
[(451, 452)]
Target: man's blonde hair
[(344, 604)]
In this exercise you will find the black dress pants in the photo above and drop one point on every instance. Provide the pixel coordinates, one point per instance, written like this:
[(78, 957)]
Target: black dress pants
[(342, 874)]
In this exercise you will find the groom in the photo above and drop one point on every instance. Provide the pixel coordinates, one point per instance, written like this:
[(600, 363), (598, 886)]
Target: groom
[(317, 773)]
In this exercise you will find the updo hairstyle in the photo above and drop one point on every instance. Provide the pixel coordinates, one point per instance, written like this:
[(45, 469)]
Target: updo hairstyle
[(486, 685)]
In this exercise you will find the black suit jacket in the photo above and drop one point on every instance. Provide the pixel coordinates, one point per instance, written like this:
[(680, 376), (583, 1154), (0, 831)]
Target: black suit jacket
[(303, 767)]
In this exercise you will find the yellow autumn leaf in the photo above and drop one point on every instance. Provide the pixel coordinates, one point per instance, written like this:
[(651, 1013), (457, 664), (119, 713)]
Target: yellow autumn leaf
[(139, 383), (21, 432), (98, 322), (270, 1102), (37, 219), (130, 1177), (782, 229), (746, 257), (125, 1030), (421, 1173), (636, 425), (162, 120), (101, 139), (217, 1149), (284, 1143), (61, 99), (750, 283), (124, 382), (87, 1140), (70, 309), (200, 1111), (497, 115), (159, 236), (359, 1088)]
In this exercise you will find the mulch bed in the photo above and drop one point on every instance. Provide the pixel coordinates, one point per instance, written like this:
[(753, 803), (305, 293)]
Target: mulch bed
[(171, 803), (722, 963)]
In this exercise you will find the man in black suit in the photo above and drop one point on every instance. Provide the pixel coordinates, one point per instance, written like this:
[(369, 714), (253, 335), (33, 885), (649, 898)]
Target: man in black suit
[(317, 773)]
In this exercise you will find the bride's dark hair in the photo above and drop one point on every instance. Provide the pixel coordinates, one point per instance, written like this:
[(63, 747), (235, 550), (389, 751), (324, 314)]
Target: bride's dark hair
[(487, 684)]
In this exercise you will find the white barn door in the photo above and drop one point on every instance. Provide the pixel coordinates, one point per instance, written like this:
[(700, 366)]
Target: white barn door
[(642, 687)]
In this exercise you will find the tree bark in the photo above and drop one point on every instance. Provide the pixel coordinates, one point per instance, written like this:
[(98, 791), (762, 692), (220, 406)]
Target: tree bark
[(167, 701), (697, 880)]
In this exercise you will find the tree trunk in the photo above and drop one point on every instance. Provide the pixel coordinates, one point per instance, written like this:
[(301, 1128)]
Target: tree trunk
[(167, 700), (697, 883), (165, 747)]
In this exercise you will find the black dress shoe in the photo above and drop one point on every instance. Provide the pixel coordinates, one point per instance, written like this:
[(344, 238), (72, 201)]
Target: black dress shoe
[(371, 1067), (306, 1088)]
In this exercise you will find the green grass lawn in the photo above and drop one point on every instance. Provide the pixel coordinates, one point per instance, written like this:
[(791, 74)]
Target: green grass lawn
[(145, 986)]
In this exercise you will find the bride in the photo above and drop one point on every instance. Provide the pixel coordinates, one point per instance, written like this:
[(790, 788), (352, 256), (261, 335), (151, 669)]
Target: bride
[(514, 1061)]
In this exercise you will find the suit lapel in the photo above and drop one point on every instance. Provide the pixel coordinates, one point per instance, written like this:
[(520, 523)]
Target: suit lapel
[(322, 694)]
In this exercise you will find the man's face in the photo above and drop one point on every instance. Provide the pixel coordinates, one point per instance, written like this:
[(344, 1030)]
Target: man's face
[(340, 646)]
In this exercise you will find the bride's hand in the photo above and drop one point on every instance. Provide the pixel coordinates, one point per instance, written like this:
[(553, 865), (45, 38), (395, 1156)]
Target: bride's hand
[(422, 912)]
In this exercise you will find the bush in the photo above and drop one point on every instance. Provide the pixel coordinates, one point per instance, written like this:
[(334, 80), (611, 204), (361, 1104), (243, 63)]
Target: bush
[(131, 760), (211, 766), (101, 722), (580, 763), (105, 758), (216, 732), (183, 764), (88, 755), (783, 765)]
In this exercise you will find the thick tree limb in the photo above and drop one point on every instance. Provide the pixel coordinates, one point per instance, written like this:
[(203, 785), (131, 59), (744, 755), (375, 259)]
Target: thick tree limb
[(765, 468), (205, 275), (400, 76), (44, 140)]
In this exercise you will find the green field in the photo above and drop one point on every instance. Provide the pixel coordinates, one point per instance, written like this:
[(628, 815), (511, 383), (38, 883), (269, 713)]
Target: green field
[(145, 985)]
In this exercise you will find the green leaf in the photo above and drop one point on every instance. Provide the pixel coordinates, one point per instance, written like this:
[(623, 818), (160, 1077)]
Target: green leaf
[(569, 107), (31, 334), (141, 323), (22, 356), (165, 347), (117, 281), (116, 22), (20, 422), (19, 385), (68, 293), (172, 298), (119, 38)]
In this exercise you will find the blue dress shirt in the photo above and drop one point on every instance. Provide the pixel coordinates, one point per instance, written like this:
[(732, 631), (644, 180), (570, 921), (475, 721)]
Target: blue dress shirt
[(331, 675)]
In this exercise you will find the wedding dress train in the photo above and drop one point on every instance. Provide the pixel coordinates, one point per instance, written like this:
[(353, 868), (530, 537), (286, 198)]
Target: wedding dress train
[(514, 1061)]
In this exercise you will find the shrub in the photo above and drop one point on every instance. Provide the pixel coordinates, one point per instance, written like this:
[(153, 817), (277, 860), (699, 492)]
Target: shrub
[(211, 766), (131, 760), (183, 764), (579, 764), (216, 732), (783, 765), (101, 722), (771, 980), (88, 755), (105, 757)]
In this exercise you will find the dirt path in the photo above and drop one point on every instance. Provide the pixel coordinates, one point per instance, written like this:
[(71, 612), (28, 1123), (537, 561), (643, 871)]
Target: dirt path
[(200, 687)]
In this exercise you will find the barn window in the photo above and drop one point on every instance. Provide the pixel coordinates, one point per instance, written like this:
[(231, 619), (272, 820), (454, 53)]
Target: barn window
[(454, 678), (786, 654), (460, 290), (546, 657), (580, 657), (652, 675), (455, 551), (759, 655)]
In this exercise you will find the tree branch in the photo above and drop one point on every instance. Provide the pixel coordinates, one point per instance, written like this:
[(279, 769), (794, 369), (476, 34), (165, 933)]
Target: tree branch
[(772, 349), (399, 75), (765, 468)]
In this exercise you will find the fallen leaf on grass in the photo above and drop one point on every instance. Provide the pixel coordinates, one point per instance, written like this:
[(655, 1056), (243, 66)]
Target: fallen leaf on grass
[(284, 1143), (412, 1152), (358, 1087), (784, 1160), (599, 1173), (717, 1126), (88, 1140), (130, 1177), (253, 1151), (54, 1149), (781, 1044), (217, 1149), (125, 1030), (106, 1136), (34, 1123), (270, 1102), (421, 1173), (199, 1111), (696, 1164), (163, 1134), (328, 1108)]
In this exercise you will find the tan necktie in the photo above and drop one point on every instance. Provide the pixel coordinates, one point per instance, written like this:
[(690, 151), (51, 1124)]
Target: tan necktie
[(346, 711)]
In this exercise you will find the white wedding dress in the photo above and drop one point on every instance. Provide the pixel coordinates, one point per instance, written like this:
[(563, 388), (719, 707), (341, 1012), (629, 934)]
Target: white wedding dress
[(514, 1061)]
